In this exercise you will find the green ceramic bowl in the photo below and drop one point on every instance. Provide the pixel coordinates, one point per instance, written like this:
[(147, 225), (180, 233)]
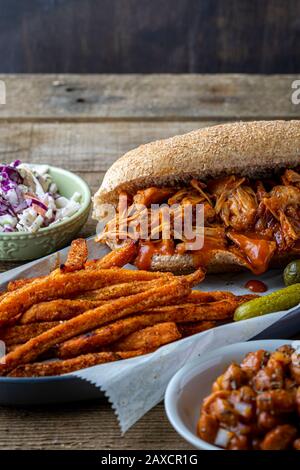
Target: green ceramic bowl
[(19, 246)]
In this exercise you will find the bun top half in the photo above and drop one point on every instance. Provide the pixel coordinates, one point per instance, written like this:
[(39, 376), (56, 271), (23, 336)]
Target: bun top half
[(253, 149)]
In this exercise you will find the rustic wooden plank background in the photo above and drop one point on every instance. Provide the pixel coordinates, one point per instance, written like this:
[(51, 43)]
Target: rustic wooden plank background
[(84, 426), (90, 98), (84, 123), (143, 36)]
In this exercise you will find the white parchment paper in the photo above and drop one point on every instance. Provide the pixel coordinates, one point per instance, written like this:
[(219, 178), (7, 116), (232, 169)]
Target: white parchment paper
[(134, 386)]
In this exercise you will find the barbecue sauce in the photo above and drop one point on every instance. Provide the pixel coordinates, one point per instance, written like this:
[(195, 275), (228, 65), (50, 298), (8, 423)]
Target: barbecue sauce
[(256, 251), (148, 249), (256, 286)]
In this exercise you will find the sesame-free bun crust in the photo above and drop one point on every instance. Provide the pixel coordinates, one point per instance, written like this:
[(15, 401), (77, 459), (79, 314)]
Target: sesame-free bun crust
[(252, 149)]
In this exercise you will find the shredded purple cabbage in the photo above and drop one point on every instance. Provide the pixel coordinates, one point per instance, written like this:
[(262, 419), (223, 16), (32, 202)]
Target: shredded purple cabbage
[(38, 203), (4, 206), (14, 201), (10, 174)]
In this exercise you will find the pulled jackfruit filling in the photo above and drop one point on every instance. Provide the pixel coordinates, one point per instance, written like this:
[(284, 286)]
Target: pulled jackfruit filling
[(253, 219)]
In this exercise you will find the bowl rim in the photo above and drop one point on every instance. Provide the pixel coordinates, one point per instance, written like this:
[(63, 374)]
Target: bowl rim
[(84, 207), (175, 387)]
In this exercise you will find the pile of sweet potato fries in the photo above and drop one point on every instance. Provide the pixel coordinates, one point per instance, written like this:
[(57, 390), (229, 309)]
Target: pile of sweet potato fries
[(86, 313)]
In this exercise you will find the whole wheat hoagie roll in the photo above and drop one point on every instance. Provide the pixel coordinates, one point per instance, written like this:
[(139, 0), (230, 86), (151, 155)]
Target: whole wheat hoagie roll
[(255, 150), (246, 148)]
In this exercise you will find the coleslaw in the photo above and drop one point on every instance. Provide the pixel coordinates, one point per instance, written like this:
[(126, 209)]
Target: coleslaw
[(29, 198)]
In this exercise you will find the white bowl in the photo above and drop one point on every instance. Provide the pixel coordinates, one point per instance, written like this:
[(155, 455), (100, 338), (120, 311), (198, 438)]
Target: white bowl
[(192, 383)]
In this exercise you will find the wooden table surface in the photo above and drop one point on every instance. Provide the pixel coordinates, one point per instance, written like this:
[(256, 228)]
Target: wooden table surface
[(83, 123)]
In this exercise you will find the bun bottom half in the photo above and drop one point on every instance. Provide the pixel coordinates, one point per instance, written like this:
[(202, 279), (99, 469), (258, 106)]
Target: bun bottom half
[(221, 261)]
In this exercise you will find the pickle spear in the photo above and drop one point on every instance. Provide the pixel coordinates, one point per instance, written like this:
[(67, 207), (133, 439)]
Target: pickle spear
[(282, 299), (291, 274)]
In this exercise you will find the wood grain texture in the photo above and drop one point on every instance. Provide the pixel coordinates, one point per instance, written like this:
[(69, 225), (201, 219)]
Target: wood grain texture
[(143, 36), (84, 146), (147, 97), (84, 426)]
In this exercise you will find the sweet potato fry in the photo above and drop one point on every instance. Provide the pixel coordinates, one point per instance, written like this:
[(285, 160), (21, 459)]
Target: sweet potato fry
[(77, 256), (114, 310), (66, 284), (187, 312), (14, 285), (149, 338), (48, 355), (42, 369), (22, 333), (119, 290), (189, 329), (17, 283), (57, 310), (116, 258), (195, 278), (107, 334), (129, 288), (197, 296)]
